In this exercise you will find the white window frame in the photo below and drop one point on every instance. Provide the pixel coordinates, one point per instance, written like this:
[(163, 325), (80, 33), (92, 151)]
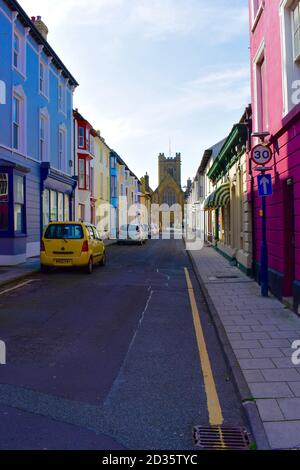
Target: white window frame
[(81, 146), (62, 157), (45, 89), (21, 66), (62, 99), (19, 93), (256, 13), (290, 68), (44, 114), (258, 58), (296, 3), (2, 92)]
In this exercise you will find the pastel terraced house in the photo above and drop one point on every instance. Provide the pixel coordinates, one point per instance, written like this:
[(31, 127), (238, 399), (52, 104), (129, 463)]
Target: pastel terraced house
[(275, 66), (36, 134), (102, 185)]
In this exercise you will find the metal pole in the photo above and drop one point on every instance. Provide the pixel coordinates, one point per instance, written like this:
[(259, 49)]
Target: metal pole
[(264, 277)]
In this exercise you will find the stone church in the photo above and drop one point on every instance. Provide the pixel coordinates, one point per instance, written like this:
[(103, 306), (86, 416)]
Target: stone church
[(169, 189)]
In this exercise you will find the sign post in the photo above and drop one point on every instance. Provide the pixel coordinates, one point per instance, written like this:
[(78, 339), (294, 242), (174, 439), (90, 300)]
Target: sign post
[(261, 155)]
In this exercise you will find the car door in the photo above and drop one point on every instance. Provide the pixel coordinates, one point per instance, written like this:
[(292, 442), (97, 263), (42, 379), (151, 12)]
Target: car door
[(99, 246)]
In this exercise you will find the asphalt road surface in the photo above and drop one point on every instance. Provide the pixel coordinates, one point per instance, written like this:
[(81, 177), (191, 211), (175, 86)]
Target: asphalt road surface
[(109, 361)]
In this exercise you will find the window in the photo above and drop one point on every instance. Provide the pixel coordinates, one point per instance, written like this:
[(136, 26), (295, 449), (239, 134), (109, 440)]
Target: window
[(16, 123), (66, 231), (260, 91), (53, 206), (43, 79), (113, 162), (92, 146), (101, 186), (66, 207), (42, 138), (61, 97), (19, 119), (18, 58), (290, 49), (81, 212), (92, 180), (19, 203), (81, 137), (46, 207), (84, 174), (16, 51), (3, 201), (62, 149), (113, 186), (87, 137), (296, 30)]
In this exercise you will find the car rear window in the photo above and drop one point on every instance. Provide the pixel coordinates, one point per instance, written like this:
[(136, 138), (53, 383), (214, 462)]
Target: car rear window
[(66, 231)]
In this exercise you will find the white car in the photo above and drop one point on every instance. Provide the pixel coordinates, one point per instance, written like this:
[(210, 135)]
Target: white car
[(132, 233)]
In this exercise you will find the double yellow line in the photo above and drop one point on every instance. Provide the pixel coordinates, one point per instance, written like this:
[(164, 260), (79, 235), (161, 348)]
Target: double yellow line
[(213, 402)]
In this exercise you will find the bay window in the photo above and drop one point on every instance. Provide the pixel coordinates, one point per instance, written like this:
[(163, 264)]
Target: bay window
[(53, 206), (81, 137)]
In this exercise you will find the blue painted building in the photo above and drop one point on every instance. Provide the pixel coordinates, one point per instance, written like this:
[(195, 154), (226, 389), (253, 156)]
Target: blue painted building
[(36, 134)]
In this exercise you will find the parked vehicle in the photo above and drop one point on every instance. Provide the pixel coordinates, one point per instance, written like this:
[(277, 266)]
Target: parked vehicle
[(68, 244), (132, 233)]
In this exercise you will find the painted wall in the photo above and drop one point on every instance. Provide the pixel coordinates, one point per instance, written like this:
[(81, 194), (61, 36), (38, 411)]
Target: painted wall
[(270, 37), (26, 82)]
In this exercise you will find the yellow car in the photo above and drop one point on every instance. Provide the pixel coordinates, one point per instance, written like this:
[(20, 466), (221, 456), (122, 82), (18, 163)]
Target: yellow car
[(72, 244)]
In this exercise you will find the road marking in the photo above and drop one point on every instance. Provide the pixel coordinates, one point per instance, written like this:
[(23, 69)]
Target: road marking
[(213, 402), (6, 291)]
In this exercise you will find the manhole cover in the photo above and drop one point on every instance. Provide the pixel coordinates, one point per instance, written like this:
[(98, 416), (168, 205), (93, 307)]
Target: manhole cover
[(221, 438)]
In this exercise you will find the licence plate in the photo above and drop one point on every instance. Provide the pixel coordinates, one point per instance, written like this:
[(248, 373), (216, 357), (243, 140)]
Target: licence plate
[(63, 261)]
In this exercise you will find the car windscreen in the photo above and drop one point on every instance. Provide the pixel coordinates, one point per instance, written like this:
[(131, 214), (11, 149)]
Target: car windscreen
[(64, 231)]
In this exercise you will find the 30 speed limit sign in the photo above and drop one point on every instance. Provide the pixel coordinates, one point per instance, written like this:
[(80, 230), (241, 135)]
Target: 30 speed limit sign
[(261, 154)]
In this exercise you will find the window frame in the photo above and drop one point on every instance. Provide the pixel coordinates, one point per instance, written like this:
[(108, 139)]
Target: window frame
[(44, 90), (62, 151), (11, 231), (20, 67), (86, 173), (81, 137)]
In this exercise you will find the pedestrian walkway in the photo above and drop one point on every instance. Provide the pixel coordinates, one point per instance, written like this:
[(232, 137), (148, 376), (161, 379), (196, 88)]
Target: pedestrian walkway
[(260, 332), (31, 266)]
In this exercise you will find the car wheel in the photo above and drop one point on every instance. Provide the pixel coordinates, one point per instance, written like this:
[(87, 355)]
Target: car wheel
[(103, 260), (89, 267)]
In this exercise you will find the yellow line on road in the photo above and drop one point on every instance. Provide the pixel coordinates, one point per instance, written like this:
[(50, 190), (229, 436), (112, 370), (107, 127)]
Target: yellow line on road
[(213, 403)]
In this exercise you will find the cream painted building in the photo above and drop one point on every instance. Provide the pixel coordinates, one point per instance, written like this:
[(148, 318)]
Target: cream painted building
[(102, 185)]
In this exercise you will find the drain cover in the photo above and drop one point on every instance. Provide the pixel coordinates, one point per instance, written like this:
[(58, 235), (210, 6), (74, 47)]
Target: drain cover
[(221, 438)]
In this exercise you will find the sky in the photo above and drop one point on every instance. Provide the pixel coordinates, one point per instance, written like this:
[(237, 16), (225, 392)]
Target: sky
[(154, 71)]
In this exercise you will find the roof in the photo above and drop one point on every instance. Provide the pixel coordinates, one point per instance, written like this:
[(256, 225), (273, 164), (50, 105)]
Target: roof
[(26, 21), (211, 152)]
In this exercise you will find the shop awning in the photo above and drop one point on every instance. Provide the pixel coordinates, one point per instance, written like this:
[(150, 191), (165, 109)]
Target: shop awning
[(220, 197)]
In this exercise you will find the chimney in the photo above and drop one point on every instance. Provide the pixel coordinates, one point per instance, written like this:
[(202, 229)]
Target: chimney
[(40, 26)]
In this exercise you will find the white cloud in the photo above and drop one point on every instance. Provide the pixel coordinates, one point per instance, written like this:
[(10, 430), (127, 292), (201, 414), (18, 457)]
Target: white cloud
[(151, 19)]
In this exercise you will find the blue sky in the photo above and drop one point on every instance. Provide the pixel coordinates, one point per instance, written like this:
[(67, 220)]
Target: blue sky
[(150, 70)]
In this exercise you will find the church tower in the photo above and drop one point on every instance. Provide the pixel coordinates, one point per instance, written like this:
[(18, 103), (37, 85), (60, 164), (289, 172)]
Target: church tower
[(169, 166)]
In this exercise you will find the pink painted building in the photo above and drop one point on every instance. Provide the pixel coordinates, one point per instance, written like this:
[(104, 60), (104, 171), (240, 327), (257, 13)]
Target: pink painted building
[(275, 66)]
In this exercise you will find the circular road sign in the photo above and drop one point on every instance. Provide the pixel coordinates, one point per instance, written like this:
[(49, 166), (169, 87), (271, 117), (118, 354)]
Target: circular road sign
[(261, 154)]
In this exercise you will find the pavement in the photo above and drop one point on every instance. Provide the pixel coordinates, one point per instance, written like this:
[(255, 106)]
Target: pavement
[(10, 274), (257, 335), (110, 360)]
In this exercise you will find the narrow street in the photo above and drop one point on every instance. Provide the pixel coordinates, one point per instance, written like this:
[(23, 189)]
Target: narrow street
[(109, 361)]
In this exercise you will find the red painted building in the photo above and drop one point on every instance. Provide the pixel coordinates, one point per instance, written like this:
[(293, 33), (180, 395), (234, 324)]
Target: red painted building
[(275, 67), (84, 168)]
